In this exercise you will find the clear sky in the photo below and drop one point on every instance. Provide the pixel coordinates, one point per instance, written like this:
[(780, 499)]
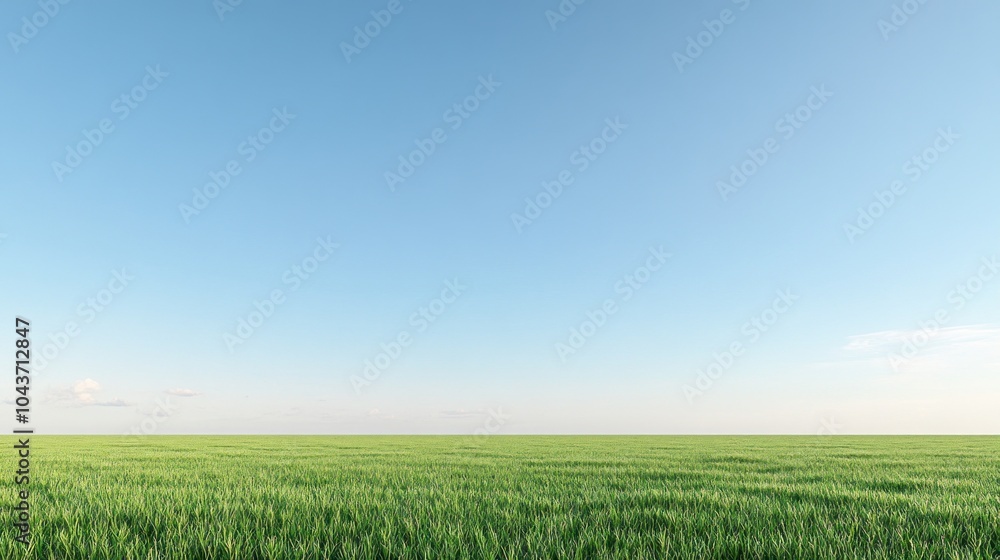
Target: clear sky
[(628, 217)]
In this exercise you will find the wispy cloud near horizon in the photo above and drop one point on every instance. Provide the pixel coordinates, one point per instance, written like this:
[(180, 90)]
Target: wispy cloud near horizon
[(84, 393), (182, 392), (931, 351)]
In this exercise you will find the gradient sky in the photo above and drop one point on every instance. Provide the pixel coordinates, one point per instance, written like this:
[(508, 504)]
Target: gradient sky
[(155, 359)]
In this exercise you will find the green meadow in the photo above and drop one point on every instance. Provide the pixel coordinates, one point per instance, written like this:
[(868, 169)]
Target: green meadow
[(236, 497)]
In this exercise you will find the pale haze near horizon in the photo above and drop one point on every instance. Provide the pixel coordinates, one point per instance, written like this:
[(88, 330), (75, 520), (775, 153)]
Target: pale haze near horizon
[(781, 305)]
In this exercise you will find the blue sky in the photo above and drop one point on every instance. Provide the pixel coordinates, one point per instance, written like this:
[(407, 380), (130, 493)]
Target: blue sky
[(118, 117)]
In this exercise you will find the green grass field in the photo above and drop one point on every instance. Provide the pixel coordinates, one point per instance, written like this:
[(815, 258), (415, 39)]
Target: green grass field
[(510, 497)]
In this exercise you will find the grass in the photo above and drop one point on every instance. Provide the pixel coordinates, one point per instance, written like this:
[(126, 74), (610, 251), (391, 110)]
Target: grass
[(510, 497)]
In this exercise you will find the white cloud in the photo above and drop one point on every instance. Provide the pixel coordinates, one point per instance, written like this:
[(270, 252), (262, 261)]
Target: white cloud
[(932, 351), (874, 342), (84, 393), (182, 392)]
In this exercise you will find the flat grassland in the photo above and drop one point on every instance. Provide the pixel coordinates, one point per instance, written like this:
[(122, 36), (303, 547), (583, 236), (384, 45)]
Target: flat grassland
[(237, 497)]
